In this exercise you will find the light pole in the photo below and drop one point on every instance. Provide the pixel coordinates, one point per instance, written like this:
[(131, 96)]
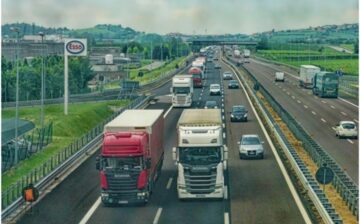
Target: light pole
[(42, 81), (17, 31)]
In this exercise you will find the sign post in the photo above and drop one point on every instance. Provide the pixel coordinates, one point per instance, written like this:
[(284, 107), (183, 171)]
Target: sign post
[(324, 175), (73, 47)]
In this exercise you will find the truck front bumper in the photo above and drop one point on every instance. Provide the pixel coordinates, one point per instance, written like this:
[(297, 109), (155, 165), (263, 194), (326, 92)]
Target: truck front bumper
[(184, 194), (121, 198)]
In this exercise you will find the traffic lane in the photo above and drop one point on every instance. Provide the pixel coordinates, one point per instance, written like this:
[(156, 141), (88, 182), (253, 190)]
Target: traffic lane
[(255, 185), (146, 214), (304, 97), (71, 199), (292, 75), (319, 123)]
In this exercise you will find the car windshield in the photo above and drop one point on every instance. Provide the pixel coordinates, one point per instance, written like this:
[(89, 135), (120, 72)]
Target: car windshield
[(250, 141), (238, 109), (210, 103), (348, 126), (203, 155), (214, 87), (180, 90), (233, 82), (124, 163)]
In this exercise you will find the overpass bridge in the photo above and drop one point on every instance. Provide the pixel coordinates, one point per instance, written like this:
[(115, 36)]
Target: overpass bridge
[(207, 42)]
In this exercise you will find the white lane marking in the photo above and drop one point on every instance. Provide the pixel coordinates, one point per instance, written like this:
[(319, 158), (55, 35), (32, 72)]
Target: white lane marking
[(293, 97), (343, 113), (201, 94), (313, 112), (278, 160), (323, 101), (224, 135), (222, 105), (223, 125), (288, 93), (333, 128), (280, 87), (323, 120), (223, 117), (222, 110), (157, 216), (356, 121), (168, 111), (169, 183), (306, 106), (91, 211), (299, 101), (350, 141), (226, 192), (348, 102), (226, 218), (332, 106), (222, 99), (200, 98), (309, 93), (284, 90)]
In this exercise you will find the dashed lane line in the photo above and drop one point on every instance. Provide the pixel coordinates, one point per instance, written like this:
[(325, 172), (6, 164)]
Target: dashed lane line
[(168, 185), (313, 112), (350, 141), (323, 120), (343, 113), (157, 216)]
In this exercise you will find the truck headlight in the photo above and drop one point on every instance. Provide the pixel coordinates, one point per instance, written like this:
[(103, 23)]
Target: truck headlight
[(245, 115), (231, 115)]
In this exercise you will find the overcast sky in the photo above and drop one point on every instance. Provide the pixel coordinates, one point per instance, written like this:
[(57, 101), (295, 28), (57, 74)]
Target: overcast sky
[(186, 16)]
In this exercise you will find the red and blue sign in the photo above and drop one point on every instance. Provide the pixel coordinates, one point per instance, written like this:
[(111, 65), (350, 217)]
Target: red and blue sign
[(75, 47)]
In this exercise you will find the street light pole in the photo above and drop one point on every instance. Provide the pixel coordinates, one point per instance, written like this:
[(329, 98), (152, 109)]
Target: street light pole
[(42, 81), (17, 30)]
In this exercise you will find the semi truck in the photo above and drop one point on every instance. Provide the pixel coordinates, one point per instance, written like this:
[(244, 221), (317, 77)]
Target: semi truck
[(131, 156), (201, 65), (246, 53), (182, 90), (326, 84), (237, 53), (196, 76), (201, 155), (307, 73)]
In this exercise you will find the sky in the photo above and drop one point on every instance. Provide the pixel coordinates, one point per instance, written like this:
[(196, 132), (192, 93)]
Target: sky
[(185, 16)]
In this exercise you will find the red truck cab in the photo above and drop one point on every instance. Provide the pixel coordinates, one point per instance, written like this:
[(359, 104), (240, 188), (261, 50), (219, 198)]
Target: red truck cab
[(197, 76), (131, 158)]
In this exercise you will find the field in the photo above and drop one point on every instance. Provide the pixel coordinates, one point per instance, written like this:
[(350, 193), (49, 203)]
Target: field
[(82, 118)]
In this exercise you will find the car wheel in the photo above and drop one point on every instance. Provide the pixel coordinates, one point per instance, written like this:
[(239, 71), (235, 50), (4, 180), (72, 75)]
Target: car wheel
[(245, 119), (262, 156), (240, 156)]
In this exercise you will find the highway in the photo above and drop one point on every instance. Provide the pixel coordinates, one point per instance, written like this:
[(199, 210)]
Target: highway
[(318, 116), (258, 191)]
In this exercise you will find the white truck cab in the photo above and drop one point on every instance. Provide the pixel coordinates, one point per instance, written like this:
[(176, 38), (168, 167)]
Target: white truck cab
[(182, 90), (279, 77)]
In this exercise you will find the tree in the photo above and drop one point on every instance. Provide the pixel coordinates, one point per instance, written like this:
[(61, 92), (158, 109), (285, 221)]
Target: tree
[(263, 44)]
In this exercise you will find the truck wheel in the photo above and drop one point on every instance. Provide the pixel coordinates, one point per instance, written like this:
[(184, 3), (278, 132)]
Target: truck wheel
[(240, 156)]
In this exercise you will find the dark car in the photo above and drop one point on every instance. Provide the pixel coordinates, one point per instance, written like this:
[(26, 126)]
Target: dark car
[(238, 113), (233, 84), (211, 105)]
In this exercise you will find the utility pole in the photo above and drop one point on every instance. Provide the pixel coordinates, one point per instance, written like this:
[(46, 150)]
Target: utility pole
[(17, 30), (42, 81), (161, 47)]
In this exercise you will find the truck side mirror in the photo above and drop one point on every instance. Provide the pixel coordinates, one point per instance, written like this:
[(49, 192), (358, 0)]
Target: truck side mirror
[(238, 143), (226, 153), (174, 154), (148, 163), (97, 165)]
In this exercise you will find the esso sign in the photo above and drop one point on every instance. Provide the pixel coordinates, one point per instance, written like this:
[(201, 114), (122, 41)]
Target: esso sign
[(75, 47)]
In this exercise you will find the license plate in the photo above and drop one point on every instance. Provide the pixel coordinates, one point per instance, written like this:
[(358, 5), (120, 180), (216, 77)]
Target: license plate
[(200, 196), (123, 202), (251, 153)]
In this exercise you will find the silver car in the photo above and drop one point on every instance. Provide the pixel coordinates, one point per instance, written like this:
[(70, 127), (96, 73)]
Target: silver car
[(227, 75), (250, 146), (215, 89)]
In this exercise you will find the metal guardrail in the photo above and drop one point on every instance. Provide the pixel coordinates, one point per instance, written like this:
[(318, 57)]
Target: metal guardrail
[(45, 173), (343, 184)]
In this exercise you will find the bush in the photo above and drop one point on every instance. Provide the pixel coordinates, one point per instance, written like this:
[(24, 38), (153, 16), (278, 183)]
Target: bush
[(140, 74), (176, 66)]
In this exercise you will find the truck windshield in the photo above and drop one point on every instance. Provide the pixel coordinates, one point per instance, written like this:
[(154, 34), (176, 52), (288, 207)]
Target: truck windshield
[(124, 163), (205, 155), (331, 80), (181, 90), (197, 76)]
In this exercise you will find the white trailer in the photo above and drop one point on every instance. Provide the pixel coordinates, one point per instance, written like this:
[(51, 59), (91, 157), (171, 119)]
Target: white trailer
[(246, 53), (307, 73), (182, 90), (237, 53), (200, 155), (279, 77)]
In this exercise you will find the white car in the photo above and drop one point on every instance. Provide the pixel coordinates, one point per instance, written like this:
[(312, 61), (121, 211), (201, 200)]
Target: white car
[(250, 146), (227, 75), (346, 129), (215, 89)]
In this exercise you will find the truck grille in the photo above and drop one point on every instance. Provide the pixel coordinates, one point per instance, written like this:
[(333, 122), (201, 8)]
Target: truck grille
[(181, 99), (123, 184), (200, 182)]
